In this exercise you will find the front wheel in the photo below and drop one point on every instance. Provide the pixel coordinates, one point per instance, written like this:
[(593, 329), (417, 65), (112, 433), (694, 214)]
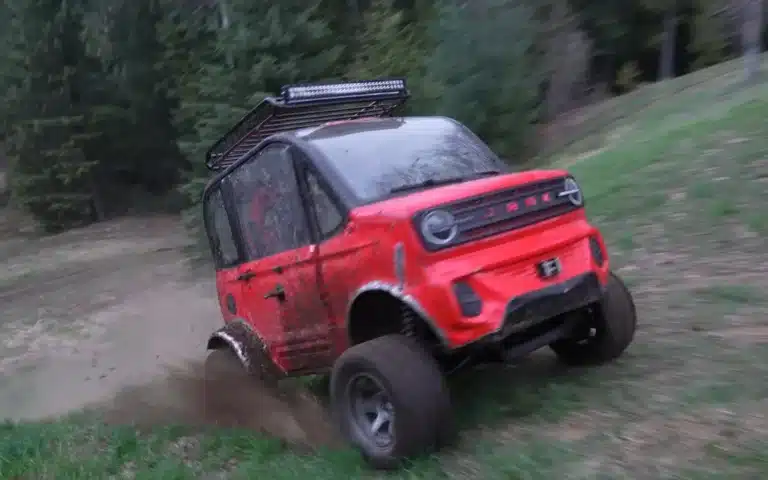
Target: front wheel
[(608, 329), (390, 400)]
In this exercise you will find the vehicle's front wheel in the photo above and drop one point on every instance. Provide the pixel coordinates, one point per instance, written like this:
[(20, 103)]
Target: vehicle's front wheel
[(390, 400), (607, 330)]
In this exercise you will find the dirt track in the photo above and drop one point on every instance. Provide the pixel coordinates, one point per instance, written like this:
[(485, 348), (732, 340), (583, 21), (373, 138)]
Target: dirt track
[(110, 318)]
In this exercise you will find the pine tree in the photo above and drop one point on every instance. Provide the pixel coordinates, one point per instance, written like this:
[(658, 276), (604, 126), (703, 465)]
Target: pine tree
[(266, 45), (388, 45), (710, 36), (149, 155), (490, 77), (53, 175), (188, 39), (11, 65)]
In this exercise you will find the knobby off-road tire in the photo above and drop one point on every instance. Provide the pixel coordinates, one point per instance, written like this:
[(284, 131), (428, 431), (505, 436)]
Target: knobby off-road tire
[(416, 393), (614, 322)]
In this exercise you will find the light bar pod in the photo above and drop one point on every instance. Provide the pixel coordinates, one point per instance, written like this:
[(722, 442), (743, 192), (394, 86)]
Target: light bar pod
[(368, 89)]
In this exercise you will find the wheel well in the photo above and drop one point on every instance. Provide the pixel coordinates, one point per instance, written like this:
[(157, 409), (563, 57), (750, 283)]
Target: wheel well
[(217, 343), (378, 313)]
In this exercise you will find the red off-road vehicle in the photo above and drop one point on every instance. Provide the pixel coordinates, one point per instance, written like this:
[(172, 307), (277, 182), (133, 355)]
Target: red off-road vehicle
[(386, 250)]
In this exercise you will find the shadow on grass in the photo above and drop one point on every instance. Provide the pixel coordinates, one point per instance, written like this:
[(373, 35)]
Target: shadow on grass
[(539, 388)]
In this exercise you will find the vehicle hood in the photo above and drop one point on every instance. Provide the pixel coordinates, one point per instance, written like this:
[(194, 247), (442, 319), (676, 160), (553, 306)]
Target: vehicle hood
[(407, 205)]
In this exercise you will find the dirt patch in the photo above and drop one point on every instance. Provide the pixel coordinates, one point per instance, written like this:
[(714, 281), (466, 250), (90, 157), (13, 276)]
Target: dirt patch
[(579, 426), (748, 334), (685, 436), (183, 397), (111, 319), (570, 161)]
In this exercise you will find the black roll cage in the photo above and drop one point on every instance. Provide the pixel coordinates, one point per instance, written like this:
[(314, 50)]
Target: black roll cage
[(287, 112)]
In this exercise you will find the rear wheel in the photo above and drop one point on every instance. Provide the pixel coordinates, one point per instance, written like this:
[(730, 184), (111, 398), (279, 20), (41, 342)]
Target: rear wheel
[(607, 331), (390, 400)]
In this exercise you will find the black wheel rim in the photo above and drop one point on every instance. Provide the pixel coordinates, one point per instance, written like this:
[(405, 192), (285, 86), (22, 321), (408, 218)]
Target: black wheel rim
[(371, 412)]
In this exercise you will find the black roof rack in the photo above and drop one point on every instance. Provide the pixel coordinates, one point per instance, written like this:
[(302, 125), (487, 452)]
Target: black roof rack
[(306, 105)]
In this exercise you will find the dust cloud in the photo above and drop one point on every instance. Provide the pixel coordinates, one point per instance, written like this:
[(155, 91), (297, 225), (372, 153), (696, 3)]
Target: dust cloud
[(121, 332)]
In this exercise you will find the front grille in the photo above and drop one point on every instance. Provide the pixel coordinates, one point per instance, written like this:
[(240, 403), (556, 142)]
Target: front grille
[(507, 210)]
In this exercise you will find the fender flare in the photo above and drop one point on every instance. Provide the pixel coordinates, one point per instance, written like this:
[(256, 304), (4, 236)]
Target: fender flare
[(247, 345), (399, 294)]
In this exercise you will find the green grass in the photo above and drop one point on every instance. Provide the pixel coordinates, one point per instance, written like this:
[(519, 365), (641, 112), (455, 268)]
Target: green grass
[(680, 201), (609, 122)]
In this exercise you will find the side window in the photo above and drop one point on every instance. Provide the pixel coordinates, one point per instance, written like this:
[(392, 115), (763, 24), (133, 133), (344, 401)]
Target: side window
[(220, 231), (269, 203), (329, 218)]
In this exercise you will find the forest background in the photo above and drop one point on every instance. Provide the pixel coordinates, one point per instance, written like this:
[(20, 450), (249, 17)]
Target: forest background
[(107, 107)]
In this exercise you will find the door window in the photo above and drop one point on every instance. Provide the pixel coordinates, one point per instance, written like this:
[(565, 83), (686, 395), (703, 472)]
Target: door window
[(269, 203), (219, 229), (329, 218)]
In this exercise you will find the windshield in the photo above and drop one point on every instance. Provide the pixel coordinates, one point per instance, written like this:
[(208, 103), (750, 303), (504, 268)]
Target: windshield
[(380, 158)]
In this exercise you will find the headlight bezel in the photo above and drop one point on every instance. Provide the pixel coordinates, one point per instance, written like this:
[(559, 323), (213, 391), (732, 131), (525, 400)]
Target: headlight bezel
[(443, 220), (572, 190)]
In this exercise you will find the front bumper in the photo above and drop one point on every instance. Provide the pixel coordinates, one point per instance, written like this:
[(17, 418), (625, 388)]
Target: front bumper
[(536, 319), (535, 307)]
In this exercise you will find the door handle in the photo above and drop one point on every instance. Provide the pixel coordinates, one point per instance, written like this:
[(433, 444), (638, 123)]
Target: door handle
[(278, 292), (245, 276)]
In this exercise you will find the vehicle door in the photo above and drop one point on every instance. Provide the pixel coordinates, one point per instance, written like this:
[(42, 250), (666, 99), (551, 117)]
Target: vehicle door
[(338, 254), (227, 256), (281, 266)]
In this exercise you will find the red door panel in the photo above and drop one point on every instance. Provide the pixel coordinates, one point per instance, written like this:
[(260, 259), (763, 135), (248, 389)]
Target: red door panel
[(281, 295), (285, 306), (340, 258)]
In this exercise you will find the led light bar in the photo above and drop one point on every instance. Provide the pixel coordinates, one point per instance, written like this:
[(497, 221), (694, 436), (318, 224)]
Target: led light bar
[(375, 89)]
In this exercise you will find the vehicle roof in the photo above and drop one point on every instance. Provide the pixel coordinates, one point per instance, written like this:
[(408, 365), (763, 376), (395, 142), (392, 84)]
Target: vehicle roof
[(398, 125), (357, 130)]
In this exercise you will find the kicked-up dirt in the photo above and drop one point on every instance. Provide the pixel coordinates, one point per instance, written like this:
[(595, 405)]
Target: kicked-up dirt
[(110, 318)]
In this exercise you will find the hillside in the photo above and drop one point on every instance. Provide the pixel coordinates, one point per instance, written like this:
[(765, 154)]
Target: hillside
[(676, 178)]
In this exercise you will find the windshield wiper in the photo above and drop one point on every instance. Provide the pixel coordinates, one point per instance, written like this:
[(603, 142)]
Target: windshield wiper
[(484, 173), (430, 182)]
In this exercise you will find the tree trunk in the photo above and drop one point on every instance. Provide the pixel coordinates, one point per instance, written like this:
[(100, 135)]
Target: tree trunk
[(668, 44), (98, 210), (751, 37), (225, 22), (556, 30)]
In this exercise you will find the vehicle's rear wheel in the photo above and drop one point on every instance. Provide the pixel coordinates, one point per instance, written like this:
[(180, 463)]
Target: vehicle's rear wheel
[(607, 330), (390, 400)]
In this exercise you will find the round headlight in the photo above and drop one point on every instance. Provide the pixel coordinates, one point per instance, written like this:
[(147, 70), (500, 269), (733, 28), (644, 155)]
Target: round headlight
[(572, 190), (439, 227)]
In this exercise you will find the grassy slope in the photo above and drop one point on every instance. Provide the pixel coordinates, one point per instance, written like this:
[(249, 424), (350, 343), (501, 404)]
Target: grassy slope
[(678, 198)]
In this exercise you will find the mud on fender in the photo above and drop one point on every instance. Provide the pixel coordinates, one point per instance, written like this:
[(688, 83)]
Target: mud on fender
[(246, 344)]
